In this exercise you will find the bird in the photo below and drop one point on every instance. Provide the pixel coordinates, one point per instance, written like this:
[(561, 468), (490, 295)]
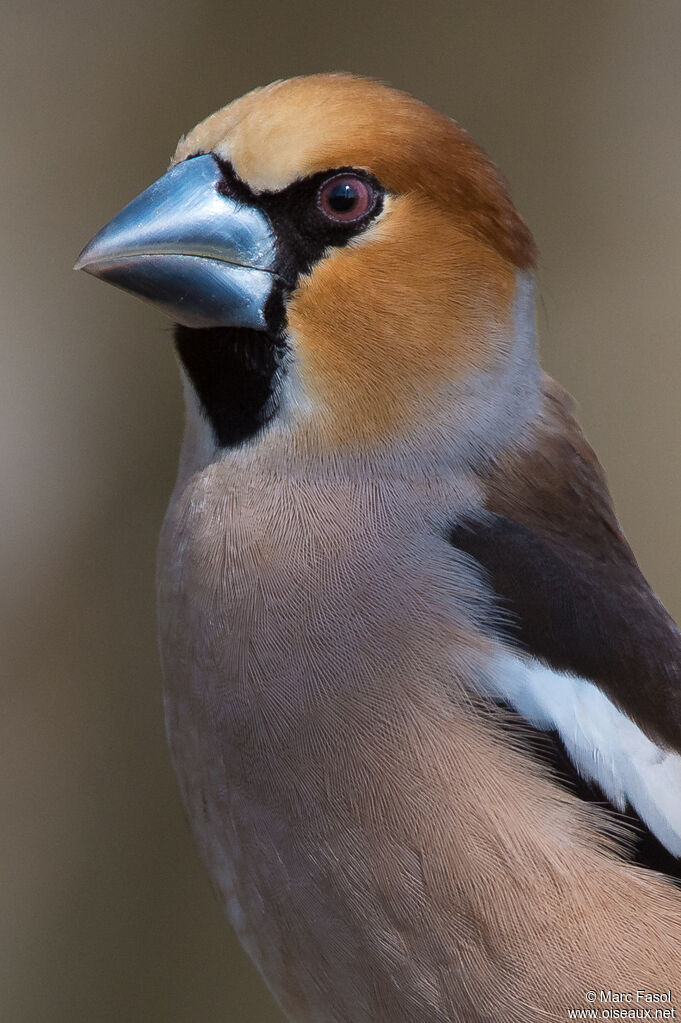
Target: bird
[(423, 707)]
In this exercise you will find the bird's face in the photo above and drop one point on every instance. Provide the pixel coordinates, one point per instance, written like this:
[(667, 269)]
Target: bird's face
[(339, 258)]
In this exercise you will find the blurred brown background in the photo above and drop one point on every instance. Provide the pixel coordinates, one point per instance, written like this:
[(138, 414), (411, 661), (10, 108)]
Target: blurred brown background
[(105, 914)]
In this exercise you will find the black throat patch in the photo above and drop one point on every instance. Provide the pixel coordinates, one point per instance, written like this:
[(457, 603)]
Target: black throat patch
[(236, 373)]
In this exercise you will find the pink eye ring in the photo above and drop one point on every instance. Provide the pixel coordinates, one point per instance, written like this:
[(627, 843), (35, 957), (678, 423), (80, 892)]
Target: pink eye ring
[(345, 197)]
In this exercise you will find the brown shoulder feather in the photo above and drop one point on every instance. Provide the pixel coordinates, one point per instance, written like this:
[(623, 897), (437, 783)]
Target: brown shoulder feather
[(562, 569)]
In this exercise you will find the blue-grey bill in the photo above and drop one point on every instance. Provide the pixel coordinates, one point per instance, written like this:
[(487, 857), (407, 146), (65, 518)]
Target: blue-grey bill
[(205, 259)]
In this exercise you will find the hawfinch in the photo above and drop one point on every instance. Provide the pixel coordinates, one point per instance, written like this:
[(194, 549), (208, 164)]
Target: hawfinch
[(424, 709)]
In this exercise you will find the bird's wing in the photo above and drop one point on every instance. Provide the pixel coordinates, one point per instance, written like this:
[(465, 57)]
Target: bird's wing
[(593, 657)]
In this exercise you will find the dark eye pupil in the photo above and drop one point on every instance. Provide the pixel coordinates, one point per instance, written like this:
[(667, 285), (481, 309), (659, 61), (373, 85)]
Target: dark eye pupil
[(342, 197)]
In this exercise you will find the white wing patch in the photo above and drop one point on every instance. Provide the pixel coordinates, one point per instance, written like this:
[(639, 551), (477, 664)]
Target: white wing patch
[(605, 746)]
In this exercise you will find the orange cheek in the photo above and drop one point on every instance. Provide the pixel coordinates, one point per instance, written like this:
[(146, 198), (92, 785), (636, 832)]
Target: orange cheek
[(382, 325)]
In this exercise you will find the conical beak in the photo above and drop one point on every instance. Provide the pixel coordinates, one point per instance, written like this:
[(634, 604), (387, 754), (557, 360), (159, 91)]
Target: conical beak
[(203, 258)]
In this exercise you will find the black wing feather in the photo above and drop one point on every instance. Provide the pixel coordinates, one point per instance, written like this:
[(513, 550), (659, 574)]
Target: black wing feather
[(597, 619)]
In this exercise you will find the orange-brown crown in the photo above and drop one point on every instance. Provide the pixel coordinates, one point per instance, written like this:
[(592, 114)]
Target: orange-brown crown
[(294, 128)]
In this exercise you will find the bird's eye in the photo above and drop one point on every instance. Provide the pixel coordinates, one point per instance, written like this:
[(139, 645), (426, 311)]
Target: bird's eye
[(346, 197)]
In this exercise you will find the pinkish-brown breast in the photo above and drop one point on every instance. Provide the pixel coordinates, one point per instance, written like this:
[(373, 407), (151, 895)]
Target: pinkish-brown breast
[(383, 852)]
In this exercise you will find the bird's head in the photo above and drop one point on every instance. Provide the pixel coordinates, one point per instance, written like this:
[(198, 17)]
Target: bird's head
[(343, 263)]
